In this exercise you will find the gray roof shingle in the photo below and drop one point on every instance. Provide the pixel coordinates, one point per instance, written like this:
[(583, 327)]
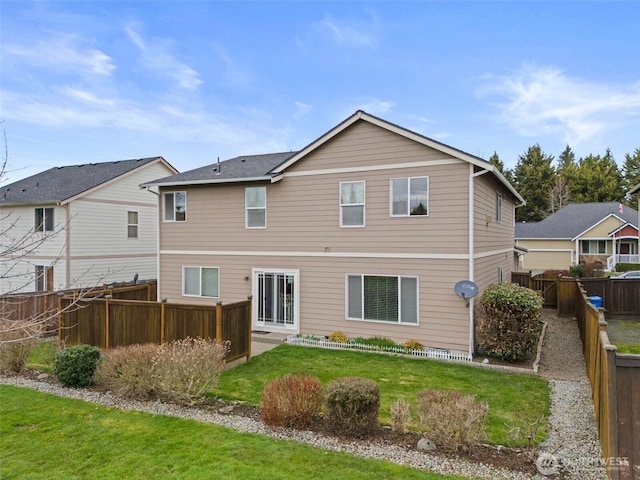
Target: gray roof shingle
[(574, 219), (245, 167), (61, 183)]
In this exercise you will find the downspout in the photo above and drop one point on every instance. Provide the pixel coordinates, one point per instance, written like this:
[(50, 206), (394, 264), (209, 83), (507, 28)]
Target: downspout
[(67, 260), (472, 177)]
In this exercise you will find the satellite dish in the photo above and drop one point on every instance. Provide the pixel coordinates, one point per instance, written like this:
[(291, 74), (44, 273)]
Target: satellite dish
[(466, 289)]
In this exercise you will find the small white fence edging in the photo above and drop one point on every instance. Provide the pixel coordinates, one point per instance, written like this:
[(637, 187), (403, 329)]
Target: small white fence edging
[(435, 353)]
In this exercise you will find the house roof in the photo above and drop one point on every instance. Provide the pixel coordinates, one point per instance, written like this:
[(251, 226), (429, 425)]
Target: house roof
[(247, 168), (574, 219), (239, 169), (60, 184)]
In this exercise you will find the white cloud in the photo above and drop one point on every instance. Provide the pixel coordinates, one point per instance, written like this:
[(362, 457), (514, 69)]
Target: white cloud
[(347, 34), (61, 52), (545, 101), (302, 109), (156, 58), (374, 106)]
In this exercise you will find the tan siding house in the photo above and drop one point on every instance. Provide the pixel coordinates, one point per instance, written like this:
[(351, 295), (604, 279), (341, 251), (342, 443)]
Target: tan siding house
[(91, 224), (366, 230), (603, 234)]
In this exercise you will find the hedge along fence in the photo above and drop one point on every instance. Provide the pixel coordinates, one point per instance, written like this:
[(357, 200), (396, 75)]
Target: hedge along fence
[(107, 323)]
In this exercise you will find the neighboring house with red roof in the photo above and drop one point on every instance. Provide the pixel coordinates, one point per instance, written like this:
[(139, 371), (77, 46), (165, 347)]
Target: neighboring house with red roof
[(366, 230), (80, 225), (605, 233)]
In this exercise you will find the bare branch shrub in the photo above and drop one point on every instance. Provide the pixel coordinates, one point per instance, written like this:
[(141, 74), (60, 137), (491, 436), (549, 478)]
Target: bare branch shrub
[(453, 420), (17, 339), (128, 371), (400, 416), (185, 370), (529, 434), (291, 401)]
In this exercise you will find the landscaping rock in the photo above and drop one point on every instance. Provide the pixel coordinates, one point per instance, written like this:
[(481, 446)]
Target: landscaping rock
[(425, 444)]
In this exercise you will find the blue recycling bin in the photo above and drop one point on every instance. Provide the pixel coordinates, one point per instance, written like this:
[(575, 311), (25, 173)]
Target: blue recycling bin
[(596, 301)]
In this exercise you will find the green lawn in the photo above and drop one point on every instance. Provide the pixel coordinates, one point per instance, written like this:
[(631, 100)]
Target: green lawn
[(512, 398), (46, 437)]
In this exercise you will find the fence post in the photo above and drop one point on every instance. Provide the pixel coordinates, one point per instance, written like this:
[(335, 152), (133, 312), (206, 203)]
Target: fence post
[(612, 410), (59, 317), (162, 320), (219, 321), (106, 322)]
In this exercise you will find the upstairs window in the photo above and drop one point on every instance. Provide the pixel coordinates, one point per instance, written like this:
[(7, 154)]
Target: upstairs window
[(132, 224), (175, 206), (498, 207), (352, 204), (44, 219), (201, 281), (410, 196), (255, 203)]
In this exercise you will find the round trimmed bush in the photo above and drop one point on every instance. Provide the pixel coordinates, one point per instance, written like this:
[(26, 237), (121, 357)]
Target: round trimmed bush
[(75, 366), (508, 321), (351, 406)]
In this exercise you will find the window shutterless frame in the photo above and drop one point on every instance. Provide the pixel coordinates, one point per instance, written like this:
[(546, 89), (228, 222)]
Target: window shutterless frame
[(201, 281), (352, 204), (175, 206), (409, 196)]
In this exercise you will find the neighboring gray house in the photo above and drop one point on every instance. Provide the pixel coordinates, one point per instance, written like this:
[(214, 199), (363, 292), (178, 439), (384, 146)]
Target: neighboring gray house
[(606, 233), (80, 225), (366, 230)]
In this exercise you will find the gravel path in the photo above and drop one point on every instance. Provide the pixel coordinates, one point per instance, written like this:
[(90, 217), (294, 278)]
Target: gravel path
[(572, 448), (572, 444)]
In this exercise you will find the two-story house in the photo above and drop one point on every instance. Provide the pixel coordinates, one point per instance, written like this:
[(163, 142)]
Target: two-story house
[(366, 230), (80, 225)]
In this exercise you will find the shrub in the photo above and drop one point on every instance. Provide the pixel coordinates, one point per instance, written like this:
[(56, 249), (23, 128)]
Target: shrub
[(381, 342), (128, 371), (626, 267), (507, 321), (185, 370), (351, 406), (452, 420), (554, 273), (17, 339), (75, 366), (576, 271), (413, 345), (338, 337), (592, 269), (400, 415), (291, 401)]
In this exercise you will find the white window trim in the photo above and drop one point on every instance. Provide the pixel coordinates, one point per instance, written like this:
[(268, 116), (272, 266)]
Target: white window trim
[(199, 267), (364, 204), (378, 322), (43, 228), (164, 206), (137, 224), (246, 210), (596, 241), (498, 207), (408, 214)]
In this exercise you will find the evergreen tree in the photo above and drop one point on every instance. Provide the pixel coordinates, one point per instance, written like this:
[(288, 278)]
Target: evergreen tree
[(596, 179), (533, 178), (499, 164), (631, 170), (566, 159)]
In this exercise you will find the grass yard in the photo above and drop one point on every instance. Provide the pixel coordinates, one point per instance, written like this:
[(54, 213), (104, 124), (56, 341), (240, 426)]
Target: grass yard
[(625, 335), (512, 398), (46, 437)]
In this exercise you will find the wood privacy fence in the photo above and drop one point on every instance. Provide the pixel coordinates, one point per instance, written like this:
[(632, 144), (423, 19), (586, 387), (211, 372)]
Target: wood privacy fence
[(620, 297), (108, 323), (38, 305), (615, 387)]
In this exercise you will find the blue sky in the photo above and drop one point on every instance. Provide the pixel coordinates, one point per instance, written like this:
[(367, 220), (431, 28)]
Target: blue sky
[(193, 81)]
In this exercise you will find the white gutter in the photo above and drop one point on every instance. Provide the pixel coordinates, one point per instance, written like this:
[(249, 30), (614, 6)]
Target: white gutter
[(209, 181), (158, 216), (68, 245)]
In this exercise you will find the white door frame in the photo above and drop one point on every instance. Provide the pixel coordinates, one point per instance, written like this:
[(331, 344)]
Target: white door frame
[(294, 327)]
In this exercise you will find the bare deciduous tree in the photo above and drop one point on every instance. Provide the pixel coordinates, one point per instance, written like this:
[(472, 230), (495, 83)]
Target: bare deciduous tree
[(559, 195)]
